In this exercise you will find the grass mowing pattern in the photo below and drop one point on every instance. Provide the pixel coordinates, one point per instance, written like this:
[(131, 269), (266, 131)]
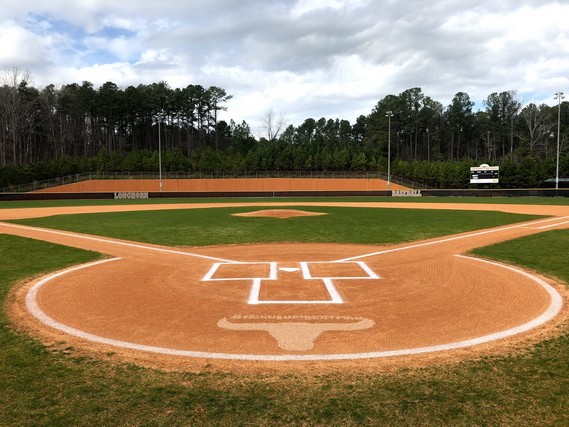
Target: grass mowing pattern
[(41, 386), (215, 226)]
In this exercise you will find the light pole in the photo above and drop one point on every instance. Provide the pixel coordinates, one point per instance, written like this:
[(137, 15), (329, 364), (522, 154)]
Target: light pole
[(389, 114), (559, 96), (159, 152), (428, 145)]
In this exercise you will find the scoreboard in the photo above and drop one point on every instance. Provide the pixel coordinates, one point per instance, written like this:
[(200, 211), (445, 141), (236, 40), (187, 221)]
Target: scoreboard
[(484, 174)]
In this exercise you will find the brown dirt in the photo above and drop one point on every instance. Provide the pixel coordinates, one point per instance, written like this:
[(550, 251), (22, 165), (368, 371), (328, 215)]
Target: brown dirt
[(154, 296), (279, 213), (226, 185), (20, 213)]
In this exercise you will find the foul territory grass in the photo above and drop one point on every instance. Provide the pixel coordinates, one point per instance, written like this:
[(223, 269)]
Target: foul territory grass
[(46, 386), (213, 226)]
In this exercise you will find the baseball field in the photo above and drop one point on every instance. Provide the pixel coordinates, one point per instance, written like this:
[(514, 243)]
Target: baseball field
[(285, 312)]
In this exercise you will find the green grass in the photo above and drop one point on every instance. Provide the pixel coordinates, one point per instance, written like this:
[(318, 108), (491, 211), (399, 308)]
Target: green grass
[(105, 202), (548, 251), (43, 386), (193, 227)]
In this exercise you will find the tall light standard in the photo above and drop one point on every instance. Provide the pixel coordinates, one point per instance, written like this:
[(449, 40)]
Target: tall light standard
[(389, 114), (428, 145), (559, 96), (159, 151)]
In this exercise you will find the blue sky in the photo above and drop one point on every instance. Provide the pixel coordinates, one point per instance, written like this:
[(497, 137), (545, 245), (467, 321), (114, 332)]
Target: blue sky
[(302, 58)]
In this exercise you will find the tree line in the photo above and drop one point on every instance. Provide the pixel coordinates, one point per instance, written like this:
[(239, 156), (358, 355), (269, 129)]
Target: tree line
[(56, 131), (79, 120)]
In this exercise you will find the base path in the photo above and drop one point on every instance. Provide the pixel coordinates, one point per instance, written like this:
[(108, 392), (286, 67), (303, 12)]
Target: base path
[(254, 306)]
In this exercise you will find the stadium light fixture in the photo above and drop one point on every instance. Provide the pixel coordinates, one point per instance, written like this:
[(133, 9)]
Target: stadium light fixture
[(389, 114), (559, 96)]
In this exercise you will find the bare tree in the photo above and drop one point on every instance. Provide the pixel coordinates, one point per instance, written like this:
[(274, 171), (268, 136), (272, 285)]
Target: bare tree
[(513, 108), (273, 125), (16, 114), (537, 122)]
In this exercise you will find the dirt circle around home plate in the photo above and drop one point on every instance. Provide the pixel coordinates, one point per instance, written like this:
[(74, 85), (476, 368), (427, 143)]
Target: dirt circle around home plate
[(287, 303)]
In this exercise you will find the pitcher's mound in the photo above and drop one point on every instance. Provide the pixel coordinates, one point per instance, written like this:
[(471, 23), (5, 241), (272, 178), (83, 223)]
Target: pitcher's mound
[(279, 213)]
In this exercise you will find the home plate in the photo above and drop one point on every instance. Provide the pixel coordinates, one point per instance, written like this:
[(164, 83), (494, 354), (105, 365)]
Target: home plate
[(289, 269)]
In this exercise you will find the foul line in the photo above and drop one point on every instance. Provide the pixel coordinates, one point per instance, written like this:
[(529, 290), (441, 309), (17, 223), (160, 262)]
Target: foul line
[(115, 242), (553, 225), (465, 236), (171, 251)]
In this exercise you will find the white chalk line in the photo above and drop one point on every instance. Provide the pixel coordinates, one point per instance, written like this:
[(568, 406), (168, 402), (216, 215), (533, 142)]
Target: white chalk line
[(256, 282), (172, 251), (115, 242), (552, 225), (556, 303), (450, 239)]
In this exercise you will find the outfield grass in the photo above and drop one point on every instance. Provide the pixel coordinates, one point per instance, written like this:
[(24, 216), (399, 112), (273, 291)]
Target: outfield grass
[(43, 386), (211, 226)]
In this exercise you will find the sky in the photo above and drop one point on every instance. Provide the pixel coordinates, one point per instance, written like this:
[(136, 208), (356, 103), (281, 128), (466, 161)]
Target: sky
[(297, 58)]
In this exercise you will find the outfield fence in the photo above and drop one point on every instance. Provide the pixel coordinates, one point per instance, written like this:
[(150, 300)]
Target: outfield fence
[(281, 194), (71, 179)]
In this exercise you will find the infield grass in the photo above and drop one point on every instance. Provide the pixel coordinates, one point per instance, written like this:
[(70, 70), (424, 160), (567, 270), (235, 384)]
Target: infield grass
[(214, 226), (44, 386)]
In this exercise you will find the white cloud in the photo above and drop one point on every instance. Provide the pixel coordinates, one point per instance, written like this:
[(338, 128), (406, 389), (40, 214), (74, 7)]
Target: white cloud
[(21, 48), (101, 73), (307, 58), (303, 7)]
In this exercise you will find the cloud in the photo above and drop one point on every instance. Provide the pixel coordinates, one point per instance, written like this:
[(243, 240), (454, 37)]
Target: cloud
[(21, 48), (305, 7), (307, 58)]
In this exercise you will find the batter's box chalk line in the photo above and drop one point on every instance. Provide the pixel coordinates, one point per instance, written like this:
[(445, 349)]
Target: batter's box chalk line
[(309, 271)]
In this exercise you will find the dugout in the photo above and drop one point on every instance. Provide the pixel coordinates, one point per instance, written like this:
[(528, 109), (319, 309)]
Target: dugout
[(550, 183)]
